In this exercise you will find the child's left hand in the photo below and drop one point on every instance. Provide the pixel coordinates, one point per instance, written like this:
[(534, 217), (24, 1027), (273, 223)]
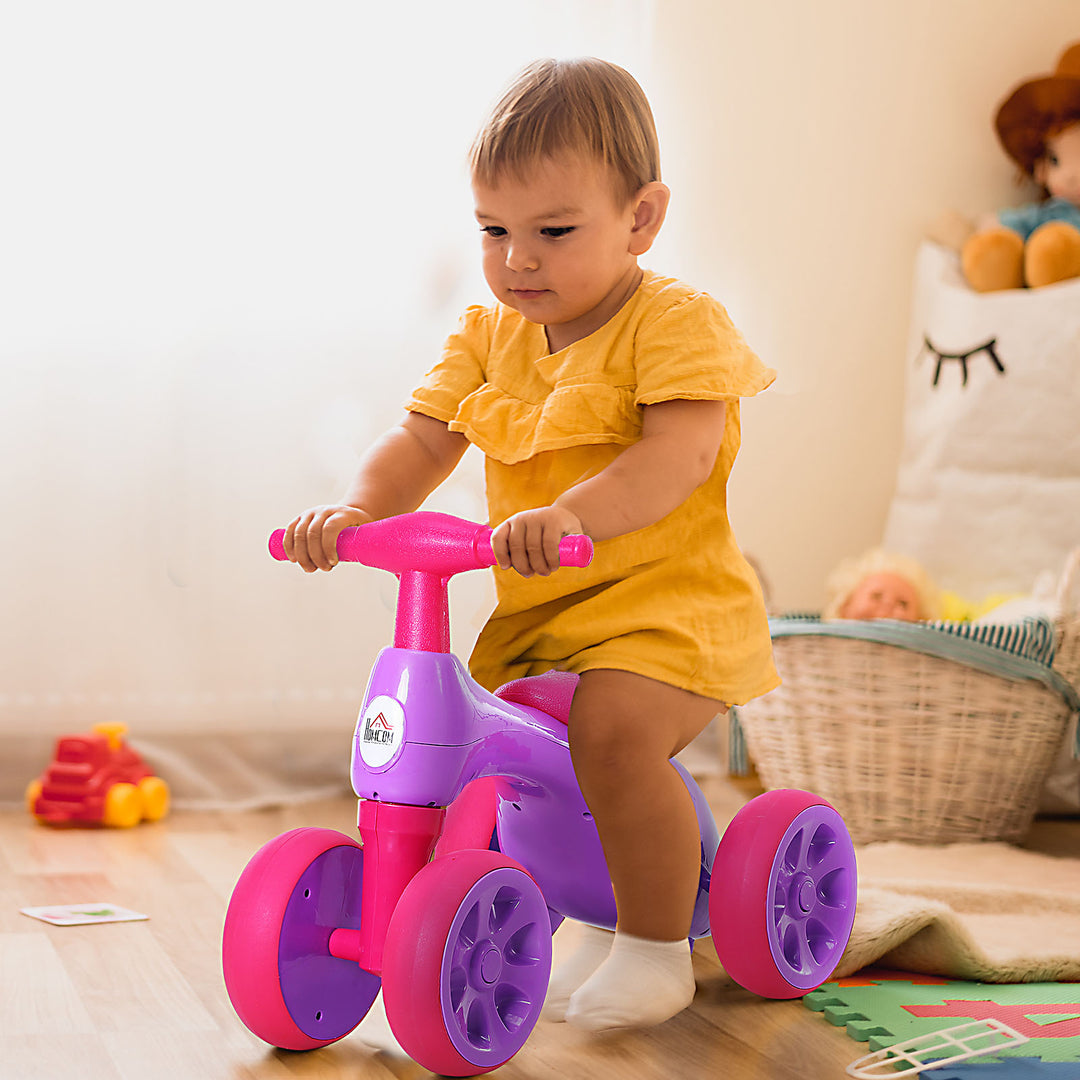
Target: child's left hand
[(529, 542)]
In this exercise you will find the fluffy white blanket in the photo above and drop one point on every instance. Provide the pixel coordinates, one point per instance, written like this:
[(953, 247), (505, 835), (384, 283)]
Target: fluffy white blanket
[(984, 912)]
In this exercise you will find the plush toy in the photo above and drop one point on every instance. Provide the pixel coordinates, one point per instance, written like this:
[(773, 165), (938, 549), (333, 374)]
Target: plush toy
[(881, 585), (1037, 244)]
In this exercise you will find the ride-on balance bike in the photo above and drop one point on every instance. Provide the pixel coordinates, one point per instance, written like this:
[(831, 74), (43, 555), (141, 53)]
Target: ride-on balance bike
[(461, 942)]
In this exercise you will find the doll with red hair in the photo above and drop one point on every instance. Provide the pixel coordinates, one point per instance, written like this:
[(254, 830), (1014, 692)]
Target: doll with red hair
[(1037, 244)]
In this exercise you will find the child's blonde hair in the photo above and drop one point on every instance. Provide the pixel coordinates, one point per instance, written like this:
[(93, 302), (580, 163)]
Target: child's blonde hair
[(585, 106), (845, 578)]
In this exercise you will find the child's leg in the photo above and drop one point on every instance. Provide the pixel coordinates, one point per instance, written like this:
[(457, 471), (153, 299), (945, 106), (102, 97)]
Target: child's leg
[(624, 728)]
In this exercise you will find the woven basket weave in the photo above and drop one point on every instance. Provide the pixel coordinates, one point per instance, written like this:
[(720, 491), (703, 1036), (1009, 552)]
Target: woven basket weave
[(909, 746), (1067, 623)]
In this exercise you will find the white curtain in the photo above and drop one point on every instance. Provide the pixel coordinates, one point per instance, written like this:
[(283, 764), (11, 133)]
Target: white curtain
[(233, 235)]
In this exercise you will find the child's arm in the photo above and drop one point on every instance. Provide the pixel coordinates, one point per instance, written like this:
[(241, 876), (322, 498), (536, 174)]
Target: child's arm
[(396, 474), (674, 456)]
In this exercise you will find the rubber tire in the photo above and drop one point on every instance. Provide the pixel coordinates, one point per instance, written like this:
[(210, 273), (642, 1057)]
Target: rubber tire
[(418, 950), (742, 910), (123, 807), (251, 940)]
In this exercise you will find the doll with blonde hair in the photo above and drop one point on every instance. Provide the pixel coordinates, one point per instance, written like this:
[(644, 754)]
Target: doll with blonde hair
[(881, 585)]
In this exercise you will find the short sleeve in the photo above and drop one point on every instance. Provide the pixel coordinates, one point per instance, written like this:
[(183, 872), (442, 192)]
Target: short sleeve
[(693, 350), (459, 372)]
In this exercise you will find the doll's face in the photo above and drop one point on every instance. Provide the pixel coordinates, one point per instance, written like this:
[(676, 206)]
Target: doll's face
[(1058, 170), (882, 596)]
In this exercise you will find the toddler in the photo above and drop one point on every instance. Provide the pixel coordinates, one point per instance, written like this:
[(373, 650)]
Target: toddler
[(605, 399)]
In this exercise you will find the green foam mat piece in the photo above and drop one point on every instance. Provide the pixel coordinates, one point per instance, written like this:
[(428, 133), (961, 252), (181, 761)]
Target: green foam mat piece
[(883, 1007)]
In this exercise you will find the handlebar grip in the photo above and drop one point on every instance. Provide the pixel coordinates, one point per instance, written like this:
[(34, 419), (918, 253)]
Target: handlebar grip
[(346, 545), (277, 545), (576, 550)]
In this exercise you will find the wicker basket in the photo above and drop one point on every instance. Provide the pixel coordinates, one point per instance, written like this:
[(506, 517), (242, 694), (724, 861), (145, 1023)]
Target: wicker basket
[(908, 746), (1067, 622)]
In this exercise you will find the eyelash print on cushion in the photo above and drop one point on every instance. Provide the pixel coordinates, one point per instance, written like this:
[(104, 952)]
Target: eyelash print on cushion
[(962, 358)]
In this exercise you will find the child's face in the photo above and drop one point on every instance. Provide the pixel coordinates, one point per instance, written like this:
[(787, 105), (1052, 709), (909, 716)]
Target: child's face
[(559, 247), (1059, 169), (882, 596)]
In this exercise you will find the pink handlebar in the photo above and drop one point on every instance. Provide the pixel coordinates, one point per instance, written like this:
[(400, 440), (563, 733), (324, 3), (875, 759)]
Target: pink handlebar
[(430, 543)]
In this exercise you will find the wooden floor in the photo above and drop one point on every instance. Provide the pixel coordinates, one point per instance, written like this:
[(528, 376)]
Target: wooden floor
[(146, 1001)]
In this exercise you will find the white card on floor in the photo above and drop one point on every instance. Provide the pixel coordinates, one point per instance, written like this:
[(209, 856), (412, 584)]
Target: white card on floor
[(82, 914)]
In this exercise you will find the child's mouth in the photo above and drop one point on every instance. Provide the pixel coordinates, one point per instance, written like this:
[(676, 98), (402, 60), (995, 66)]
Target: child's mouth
[(528, 294)]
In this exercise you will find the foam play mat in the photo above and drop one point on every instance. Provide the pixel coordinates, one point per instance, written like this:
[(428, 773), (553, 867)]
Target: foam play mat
[(881, 1007)]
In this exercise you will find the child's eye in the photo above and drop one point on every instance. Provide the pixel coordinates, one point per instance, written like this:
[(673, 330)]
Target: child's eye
[(1052, 159), (554, 232), (496, 232)]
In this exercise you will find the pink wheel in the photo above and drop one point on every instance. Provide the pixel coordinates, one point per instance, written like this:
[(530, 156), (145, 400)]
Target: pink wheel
[(467, 962), (782, 897), (281, 978)]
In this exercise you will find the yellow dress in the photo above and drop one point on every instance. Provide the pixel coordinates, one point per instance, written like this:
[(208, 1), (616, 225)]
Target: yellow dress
[(674, 601)]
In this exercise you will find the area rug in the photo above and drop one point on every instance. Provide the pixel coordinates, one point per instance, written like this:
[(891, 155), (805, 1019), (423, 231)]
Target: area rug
[(988, 912)]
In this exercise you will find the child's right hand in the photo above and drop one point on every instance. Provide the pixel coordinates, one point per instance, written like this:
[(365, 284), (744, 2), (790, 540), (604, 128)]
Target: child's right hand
[(311, 539)]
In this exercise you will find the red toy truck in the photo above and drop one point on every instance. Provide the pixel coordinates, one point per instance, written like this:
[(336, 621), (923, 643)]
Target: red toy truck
[(97, 779)]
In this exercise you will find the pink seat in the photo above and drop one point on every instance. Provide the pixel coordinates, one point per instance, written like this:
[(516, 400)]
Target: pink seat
[(551, 693), (470, 819)]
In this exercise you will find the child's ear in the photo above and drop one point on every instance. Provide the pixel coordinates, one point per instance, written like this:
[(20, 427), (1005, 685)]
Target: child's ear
[(650, 208), (1038, 173)]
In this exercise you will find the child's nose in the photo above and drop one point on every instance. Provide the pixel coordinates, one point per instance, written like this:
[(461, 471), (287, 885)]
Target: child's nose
[(520, 257)]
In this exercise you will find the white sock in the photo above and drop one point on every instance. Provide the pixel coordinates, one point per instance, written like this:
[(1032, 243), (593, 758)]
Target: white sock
[(592, 950), (374, 1030), (641, 983)]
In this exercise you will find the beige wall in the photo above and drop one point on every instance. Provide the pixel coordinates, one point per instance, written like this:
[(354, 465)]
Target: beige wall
[(810, 146), (207, 322)]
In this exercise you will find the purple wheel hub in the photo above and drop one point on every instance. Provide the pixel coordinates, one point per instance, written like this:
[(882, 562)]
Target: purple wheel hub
[(495, 966), (325, 996), (812, 888)]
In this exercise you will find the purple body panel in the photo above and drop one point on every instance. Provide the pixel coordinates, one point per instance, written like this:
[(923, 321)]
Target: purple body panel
[(453, 731), (326, 996)]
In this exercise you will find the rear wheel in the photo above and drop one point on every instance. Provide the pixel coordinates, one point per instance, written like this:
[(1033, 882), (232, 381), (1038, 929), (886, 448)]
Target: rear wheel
[(782, 896), (123, 807), (154, 793)]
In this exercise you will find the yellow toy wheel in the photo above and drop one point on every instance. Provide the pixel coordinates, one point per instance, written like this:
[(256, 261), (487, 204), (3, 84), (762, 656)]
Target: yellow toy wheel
[(123, 807), (154, 793), (33, 791)]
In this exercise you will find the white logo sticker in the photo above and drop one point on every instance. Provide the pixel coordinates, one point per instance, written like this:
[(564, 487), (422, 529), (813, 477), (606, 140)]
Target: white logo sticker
[(381, 730)]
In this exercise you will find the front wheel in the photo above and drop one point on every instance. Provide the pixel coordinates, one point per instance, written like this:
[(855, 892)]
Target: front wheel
[(782, 896), (467, 962), (281, 977)]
